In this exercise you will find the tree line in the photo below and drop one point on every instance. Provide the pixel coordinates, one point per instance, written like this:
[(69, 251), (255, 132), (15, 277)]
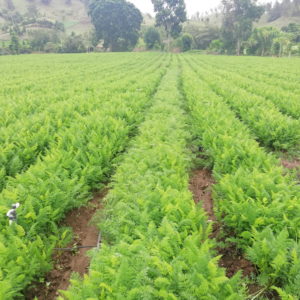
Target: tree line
[(240, 33), (119, 26), (239, 36)]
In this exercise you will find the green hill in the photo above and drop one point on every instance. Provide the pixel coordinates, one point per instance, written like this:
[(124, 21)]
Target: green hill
[(72, 13), (278, 23)]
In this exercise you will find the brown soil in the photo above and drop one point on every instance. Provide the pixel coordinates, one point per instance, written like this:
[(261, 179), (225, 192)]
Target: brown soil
[(201, 186), (233, 261), (294, 164), (66, 262)]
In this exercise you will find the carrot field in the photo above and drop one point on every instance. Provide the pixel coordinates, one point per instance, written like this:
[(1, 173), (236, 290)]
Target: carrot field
[(199, 159)]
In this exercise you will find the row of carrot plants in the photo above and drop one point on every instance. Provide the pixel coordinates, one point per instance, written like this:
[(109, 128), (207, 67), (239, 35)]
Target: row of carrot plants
[(155, 239), (288, 86), (33, 72), (81, 162), (88, 79), (257, 204), (24, 141), (286, 101), (272, 128), (260, 71), (284, 69)]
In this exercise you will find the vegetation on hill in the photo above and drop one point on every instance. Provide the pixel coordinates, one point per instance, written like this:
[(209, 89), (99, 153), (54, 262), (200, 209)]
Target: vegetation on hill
[(244, 27), (117, 23), (235, 27), (43, 25)]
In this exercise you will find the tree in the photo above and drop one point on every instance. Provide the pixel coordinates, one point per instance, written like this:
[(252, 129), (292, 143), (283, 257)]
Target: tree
[(216, 47), (39, 38), (186, 42), (238, 18), (14, 45), (117, 22), (170, 14), (202, 35), (282, 45), (262, 40), (58, 26), (152, 38), (73, 44), (294, 29)]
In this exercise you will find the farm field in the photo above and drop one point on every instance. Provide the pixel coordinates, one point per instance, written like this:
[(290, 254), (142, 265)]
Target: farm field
[(199, 160)]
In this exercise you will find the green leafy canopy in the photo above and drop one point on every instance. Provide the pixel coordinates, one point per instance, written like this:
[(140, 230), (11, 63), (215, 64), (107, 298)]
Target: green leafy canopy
[(170, 14), (117, 23)]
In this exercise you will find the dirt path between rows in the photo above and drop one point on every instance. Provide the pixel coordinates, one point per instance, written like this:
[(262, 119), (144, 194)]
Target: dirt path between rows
[(232, 260), (200, 185), (66, 262), (290, 164)]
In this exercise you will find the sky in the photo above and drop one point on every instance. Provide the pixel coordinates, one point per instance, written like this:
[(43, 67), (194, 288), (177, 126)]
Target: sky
[(192, 5)]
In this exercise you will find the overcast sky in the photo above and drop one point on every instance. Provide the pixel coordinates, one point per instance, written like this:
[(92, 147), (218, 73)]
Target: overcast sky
[(192, 5)]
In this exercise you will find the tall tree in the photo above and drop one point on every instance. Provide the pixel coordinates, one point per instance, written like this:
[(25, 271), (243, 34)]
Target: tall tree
[(170, 14), (202, 35), (152, 38), (238, 18), (262, 39), (282, 45), (14, 45), (117, 22), (294, 29), (186, 42)]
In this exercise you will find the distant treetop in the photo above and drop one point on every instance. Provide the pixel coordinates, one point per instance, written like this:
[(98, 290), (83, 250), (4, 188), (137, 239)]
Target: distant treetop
[(117, 23)]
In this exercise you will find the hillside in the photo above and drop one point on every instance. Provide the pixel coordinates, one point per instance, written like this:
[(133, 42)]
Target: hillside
[(278, 23), (72, 13)]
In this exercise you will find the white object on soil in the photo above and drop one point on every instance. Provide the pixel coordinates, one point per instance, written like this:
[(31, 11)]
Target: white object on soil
[(12, 213)]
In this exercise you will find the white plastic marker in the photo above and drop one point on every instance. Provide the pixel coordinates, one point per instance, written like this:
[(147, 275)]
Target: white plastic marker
[(12, 213)]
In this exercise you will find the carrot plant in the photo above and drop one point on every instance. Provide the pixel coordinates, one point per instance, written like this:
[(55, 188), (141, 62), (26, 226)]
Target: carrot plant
[(25, 93), (286, 99), (155, 239), (288, 84), (81, 161), (272, 128), (24, 141), (254, 199)]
